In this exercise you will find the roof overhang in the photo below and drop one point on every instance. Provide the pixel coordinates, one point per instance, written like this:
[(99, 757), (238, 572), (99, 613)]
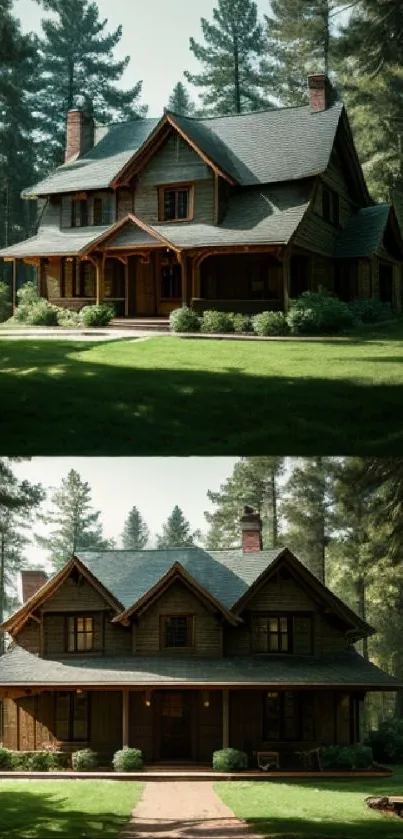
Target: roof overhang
[(175, 573), (102, 240)]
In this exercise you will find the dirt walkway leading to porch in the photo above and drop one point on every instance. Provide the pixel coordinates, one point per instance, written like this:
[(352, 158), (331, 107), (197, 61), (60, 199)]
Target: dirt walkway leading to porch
[(184, 810)]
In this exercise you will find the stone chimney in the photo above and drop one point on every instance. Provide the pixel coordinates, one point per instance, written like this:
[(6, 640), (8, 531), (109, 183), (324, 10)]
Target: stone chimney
[(251, 528), (80, 132), (321, 93), (32, 581)]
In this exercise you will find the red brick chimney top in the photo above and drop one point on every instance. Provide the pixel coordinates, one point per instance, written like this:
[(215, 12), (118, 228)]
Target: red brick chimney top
[(251, 528), (32, 581), (320, 92), (79, 133)]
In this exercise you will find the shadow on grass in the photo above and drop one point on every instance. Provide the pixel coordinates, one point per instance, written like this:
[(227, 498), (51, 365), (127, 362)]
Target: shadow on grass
[(27, 815), (54, 403)]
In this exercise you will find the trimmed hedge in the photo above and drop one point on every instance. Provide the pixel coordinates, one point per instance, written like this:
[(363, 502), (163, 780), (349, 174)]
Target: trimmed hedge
[(370, 310), (217, 322), (43, 761), (128, 760), (319, 313), (184, 319), (97, 315), (347, 757), (387, 741), (84, 760), (230, 760), (270, 324)]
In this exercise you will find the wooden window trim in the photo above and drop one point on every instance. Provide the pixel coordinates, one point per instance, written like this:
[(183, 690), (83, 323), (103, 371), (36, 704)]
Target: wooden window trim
[(282, 724), (190, 187), (78, 615), (190, 631), (290, 630), (71, 699)]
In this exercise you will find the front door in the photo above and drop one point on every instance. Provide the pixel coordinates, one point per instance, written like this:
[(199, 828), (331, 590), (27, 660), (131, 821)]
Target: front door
[(146, 303), (176, 734)]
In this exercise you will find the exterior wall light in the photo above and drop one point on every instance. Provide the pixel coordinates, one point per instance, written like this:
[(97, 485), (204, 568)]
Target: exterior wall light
[(206, 699), (148, 699)]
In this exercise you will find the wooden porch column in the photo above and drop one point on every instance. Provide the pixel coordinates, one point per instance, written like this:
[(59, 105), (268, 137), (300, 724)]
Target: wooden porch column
[(183, 261), (126, 286), (225, 719), (286, 281), (15, 285), (125, 717)]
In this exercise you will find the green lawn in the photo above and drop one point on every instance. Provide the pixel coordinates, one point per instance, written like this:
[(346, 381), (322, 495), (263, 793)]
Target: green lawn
[(315, 809), (66, 809), (187, 396)]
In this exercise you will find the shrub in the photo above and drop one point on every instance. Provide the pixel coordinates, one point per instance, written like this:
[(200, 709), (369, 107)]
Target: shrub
[(270, 323), (318, 313), (240, 323), (229, 760), (27, 297), (66, 317), (220, 322), (84, 760), (347, 757), (5, 759), (5, 302), (371, 310), (97, 315), (39, 762), (42, 313), (184, 319), (387, 741), (128, 760)]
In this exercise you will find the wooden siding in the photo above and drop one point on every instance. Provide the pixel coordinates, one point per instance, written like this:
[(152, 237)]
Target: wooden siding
[(335, 179), (364, 278), (179, 600), (75, 596), (55, 634), (117, 638), (29, 637), (281, 595), (125, 203), (209, 725), (146, 202), (141, 724), (106, 722)]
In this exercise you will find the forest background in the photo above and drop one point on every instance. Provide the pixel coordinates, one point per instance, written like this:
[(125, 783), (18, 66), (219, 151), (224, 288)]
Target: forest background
[(246, 59), (343, 517)]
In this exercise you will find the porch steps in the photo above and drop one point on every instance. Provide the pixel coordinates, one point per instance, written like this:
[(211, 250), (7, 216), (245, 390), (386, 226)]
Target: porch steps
[(157, 774), (142, 324)]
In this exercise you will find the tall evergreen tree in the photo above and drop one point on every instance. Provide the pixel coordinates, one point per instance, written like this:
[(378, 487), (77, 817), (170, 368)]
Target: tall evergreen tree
[(76, 525), (176, 532), (18, 62), (255, 482), (135, 532), (307, 508), (180, 101), (76, 60), (230, 56), (18, 499)]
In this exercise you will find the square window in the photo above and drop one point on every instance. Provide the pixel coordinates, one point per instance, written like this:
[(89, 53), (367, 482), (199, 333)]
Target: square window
[(177, 631), (80, 634), (175, 204)]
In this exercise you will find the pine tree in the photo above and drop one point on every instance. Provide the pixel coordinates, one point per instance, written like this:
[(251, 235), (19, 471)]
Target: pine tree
[(76, 525), (176, 532), (135, 532), (307, 506), (77, 60), (18, 61), (18, 499), (180, 101), (234, 45), (255, 482), (300, 41)]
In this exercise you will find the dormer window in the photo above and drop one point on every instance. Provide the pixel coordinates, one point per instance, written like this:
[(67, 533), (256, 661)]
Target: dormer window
[(176, 631), (330, 206), (79, 213), (277, 633), (80, 633), (176, 203)]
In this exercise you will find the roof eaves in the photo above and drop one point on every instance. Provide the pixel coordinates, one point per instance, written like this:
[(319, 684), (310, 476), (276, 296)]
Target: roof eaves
[(206, 158), (117, 179), (135, 220)]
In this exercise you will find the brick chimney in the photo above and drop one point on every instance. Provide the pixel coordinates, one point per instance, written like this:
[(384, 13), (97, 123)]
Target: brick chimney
[(251, 528), (321, 93), (32, 581), (80, 133)]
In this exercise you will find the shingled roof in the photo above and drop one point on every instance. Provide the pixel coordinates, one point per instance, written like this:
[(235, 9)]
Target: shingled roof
[(263, 147), (349, 669), (364, 232)]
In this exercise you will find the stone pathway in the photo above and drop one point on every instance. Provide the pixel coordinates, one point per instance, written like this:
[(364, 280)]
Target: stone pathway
[(184, 810)]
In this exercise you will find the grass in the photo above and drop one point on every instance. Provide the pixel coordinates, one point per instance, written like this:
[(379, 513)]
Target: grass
[(186, 396), (319, 809), (66, 809)]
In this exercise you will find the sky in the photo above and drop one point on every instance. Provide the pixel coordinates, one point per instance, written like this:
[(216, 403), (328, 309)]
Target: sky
[(153, 485)]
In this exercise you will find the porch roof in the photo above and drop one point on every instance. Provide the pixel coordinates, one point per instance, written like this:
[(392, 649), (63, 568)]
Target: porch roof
[(51, 241), (19, 668), (363, 233)]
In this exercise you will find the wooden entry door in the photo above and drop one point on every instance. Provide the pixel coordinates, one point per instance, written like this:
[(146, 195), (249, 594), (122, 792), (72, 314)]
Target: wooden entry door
[(146, 298), (176, 726)]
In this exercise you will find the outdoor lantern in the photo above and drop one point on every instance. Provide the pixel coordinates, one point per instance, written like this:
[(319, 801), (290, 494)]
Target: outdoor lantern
[(148, 698), (206, 699)]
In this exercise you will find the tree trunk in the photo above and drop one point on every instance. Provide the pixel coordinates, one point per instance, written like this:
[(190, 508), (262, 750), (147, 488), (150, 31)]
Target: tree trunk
[(237, 86), (326, 43), (2, 587), (362, 609), (274, 510)]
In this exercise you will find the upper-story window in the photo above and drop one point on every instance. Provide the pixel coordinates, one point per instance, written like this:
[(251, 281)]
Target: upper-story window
[(176, 203), (87, 210), (79, 213), (330, 206), (176, 631), (285, 633), (80, 633)]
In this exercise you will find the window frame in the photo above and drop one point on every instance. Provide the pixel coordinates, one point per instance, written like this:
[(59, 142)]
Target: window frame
[(177, 187), (73, 697), (330, 200), (75, 616), (190, 629), (290, 617), (300, 699)]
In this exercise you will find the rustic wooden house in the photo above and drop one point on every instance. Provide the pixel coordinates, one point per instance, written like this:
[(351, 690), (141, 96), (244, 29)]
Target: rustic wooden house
[(182, 652), (238, 213)]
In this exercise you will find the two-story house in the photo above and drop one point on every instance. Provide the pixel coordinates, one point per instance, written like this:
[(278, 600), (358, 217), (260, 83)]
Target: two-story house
[(182, 652), (238, 213)]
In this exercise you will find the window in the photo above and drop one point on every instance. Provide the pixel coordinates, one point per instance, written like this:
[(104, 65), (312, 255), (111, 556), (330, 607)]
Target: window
[(288, 715), (330, 206), (79, 213), (102, 212), (282, 634), (80, 634), (171, 282), (71, 716), (177, 631), (175, 203)]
